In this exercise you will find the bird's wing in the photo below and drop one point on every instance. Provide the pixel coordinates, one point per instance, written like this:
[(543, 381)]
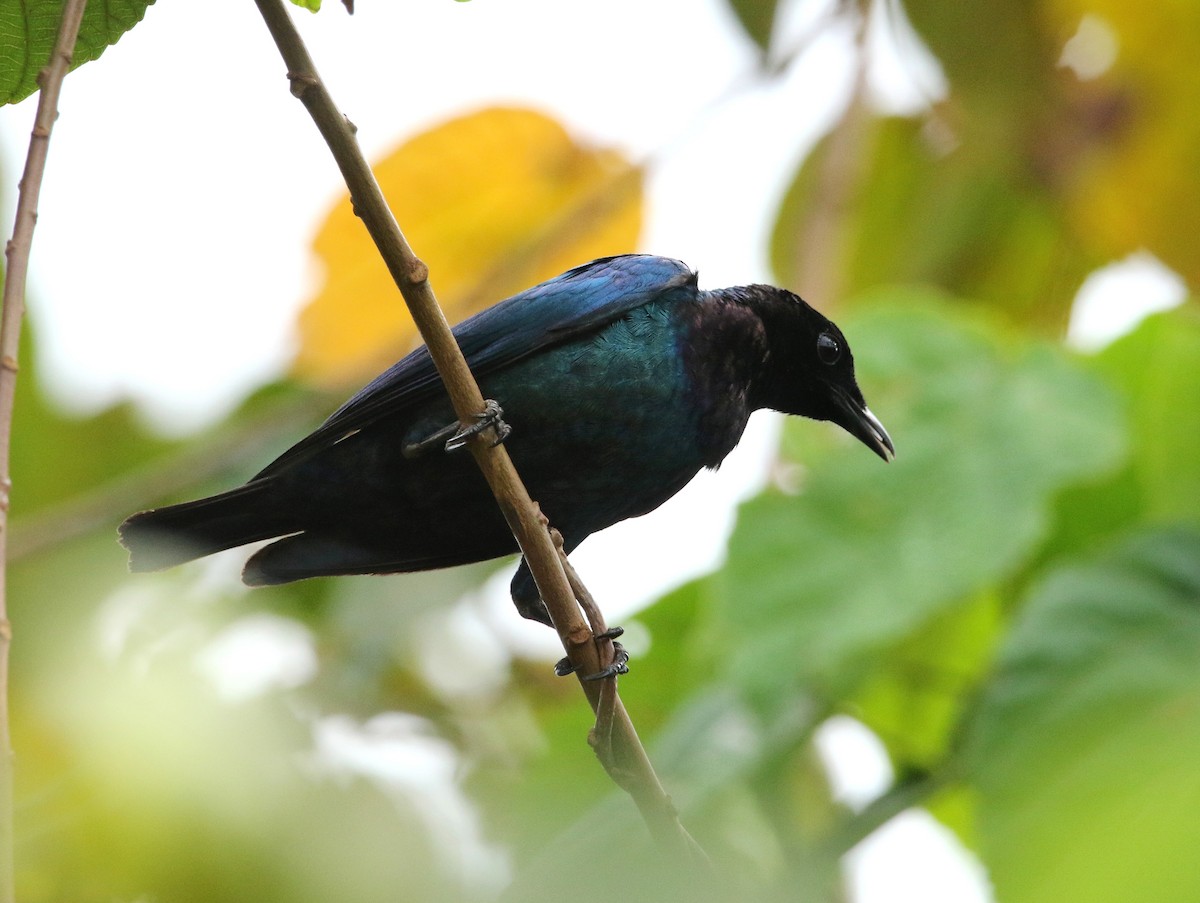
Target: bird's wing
[(579, 301)]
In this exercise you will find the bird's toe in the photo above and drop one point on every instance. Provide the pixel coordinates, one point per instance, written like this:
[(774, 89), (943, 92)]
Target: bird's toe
[(619, 664)]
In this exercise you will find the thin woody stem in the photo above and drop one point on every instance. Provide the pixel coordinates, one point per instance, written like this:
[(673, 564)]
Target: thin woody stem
[(17, 252), (521, 513)]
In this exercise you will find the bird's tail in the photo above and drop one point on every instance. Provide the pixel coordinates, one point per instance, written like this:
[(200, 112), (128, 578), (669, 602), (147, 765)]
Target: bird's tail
[(163, 537)]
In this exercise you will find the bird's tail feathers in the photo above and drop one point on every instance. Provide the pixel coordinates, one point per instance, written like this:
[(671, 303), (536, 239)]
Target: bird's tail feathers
[(163, 537)]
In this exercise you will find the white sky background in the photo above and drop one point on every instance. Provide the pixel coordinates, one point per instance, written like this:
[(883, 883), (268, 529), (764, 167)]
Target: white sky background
[(194, 181), (185, 185)]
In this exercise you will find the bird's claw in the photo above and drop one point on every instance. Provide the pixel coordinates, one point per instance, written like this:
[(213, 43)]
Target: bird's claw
[(490, 416), (619, 665)]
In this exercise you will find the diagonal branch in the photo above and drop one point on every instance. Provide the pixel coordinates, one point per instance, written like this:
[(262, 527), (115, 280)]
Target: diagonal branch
[(903, 795), (521, 513), (50, 79)]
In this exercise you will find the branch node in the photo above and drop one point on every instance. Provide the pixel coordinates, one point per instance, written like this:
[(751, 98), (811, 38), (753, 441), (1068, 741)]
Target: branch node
[(579, 636), (300, 83), (9, 363), (416, 272)]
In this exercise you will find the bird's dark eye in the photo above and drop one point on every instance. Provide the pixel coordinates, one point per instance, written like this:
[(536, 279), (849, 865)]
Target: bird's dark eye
[(828, 349)]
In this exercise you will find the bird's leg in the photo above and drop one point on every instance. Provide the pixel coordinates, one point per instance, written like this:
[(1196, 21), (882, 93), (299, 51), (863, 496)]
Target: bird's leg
[(454, 436), (429, 443)]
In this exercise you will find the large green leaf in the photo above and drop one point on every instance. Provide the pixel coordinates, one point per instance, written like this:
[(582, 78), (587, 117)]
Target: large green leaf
[(968, 219), (864, 556), (28, 29), (1084, 748), (915, 695)]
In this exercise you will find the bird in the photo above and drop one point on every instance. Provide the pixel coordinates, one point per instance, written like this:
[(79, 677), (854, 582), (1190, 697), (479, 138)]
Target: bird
[(612, 386)]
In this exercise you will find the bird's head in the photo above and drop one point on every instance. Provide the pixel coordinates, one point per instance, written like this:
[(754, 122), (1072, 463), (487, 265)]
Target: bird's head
[(809, 369)]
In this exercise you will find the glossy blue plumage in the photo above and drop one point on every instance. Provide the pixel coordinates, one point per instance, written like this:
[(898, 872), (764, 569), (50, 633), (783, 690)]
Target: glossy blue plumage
[(579, 301), (620, 380)]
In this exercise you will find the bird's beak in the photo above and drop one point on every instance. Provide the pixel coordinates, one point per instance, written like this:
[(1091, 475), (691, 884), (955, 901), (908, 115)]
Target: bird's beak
[(859, 422)]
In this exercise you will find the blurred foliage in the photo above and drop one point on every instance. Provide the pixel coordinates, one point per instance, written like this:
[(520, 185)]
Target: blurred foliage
[(758, 18), (1012, 606), (496, 201), (1027, 176), (28, 29), (1089, 728), (977, 509)]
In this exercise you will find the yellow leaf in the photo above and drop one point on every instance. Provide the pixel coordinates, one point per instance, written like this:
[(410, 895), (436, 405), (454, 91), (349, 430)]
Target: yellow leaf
[(493, 202)]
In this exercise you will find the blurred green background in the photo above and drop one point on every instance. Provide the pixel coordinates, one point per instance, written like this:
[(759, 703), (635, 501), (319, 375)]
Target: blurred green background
[(1012, 607)]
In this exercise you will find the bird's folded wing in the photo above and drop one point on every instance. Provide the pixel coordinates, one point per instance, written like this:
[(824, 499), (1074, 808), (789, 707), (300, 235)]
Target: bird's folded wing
[(579, 301)]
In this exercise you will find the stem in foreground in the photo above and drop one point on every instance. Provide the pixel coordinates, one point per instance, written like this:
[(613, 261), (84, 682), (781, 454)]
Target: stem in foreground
[(521, 513), (17, 253)]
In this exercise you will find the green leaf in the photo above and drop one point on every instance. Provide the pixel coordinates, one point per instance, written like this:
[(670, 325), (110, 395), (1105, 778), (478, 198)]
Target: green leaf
[(1152, 369), (310, 5), (47, 466), (1083, 752), (966, 218), (1157, 367), (998, 58), (914, 698), (864, 556), (757, 18), (1113, 154), (1027, 176), (28, 30)]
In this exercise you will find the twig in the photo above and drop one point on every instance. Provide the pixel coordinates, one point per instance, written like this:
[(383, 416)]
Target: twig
[(821, 244), (17, 252), (900, 797), (522, 515), (601, 736)]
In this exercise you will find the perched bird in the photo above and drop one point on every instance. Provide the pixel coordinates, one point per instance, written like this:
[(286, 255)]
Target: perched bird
[(620, 379)]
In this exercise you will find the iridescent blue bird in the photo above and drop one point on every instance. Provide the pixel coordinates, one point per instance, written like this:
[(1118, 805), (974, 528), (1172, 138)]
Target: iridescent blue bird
[(620, 379)]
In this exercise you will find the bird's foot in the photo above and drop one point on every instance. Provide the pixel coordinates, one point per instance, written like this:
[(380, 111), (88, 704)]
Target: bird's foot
[(619, 664), (491, 416), (454, 436)]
